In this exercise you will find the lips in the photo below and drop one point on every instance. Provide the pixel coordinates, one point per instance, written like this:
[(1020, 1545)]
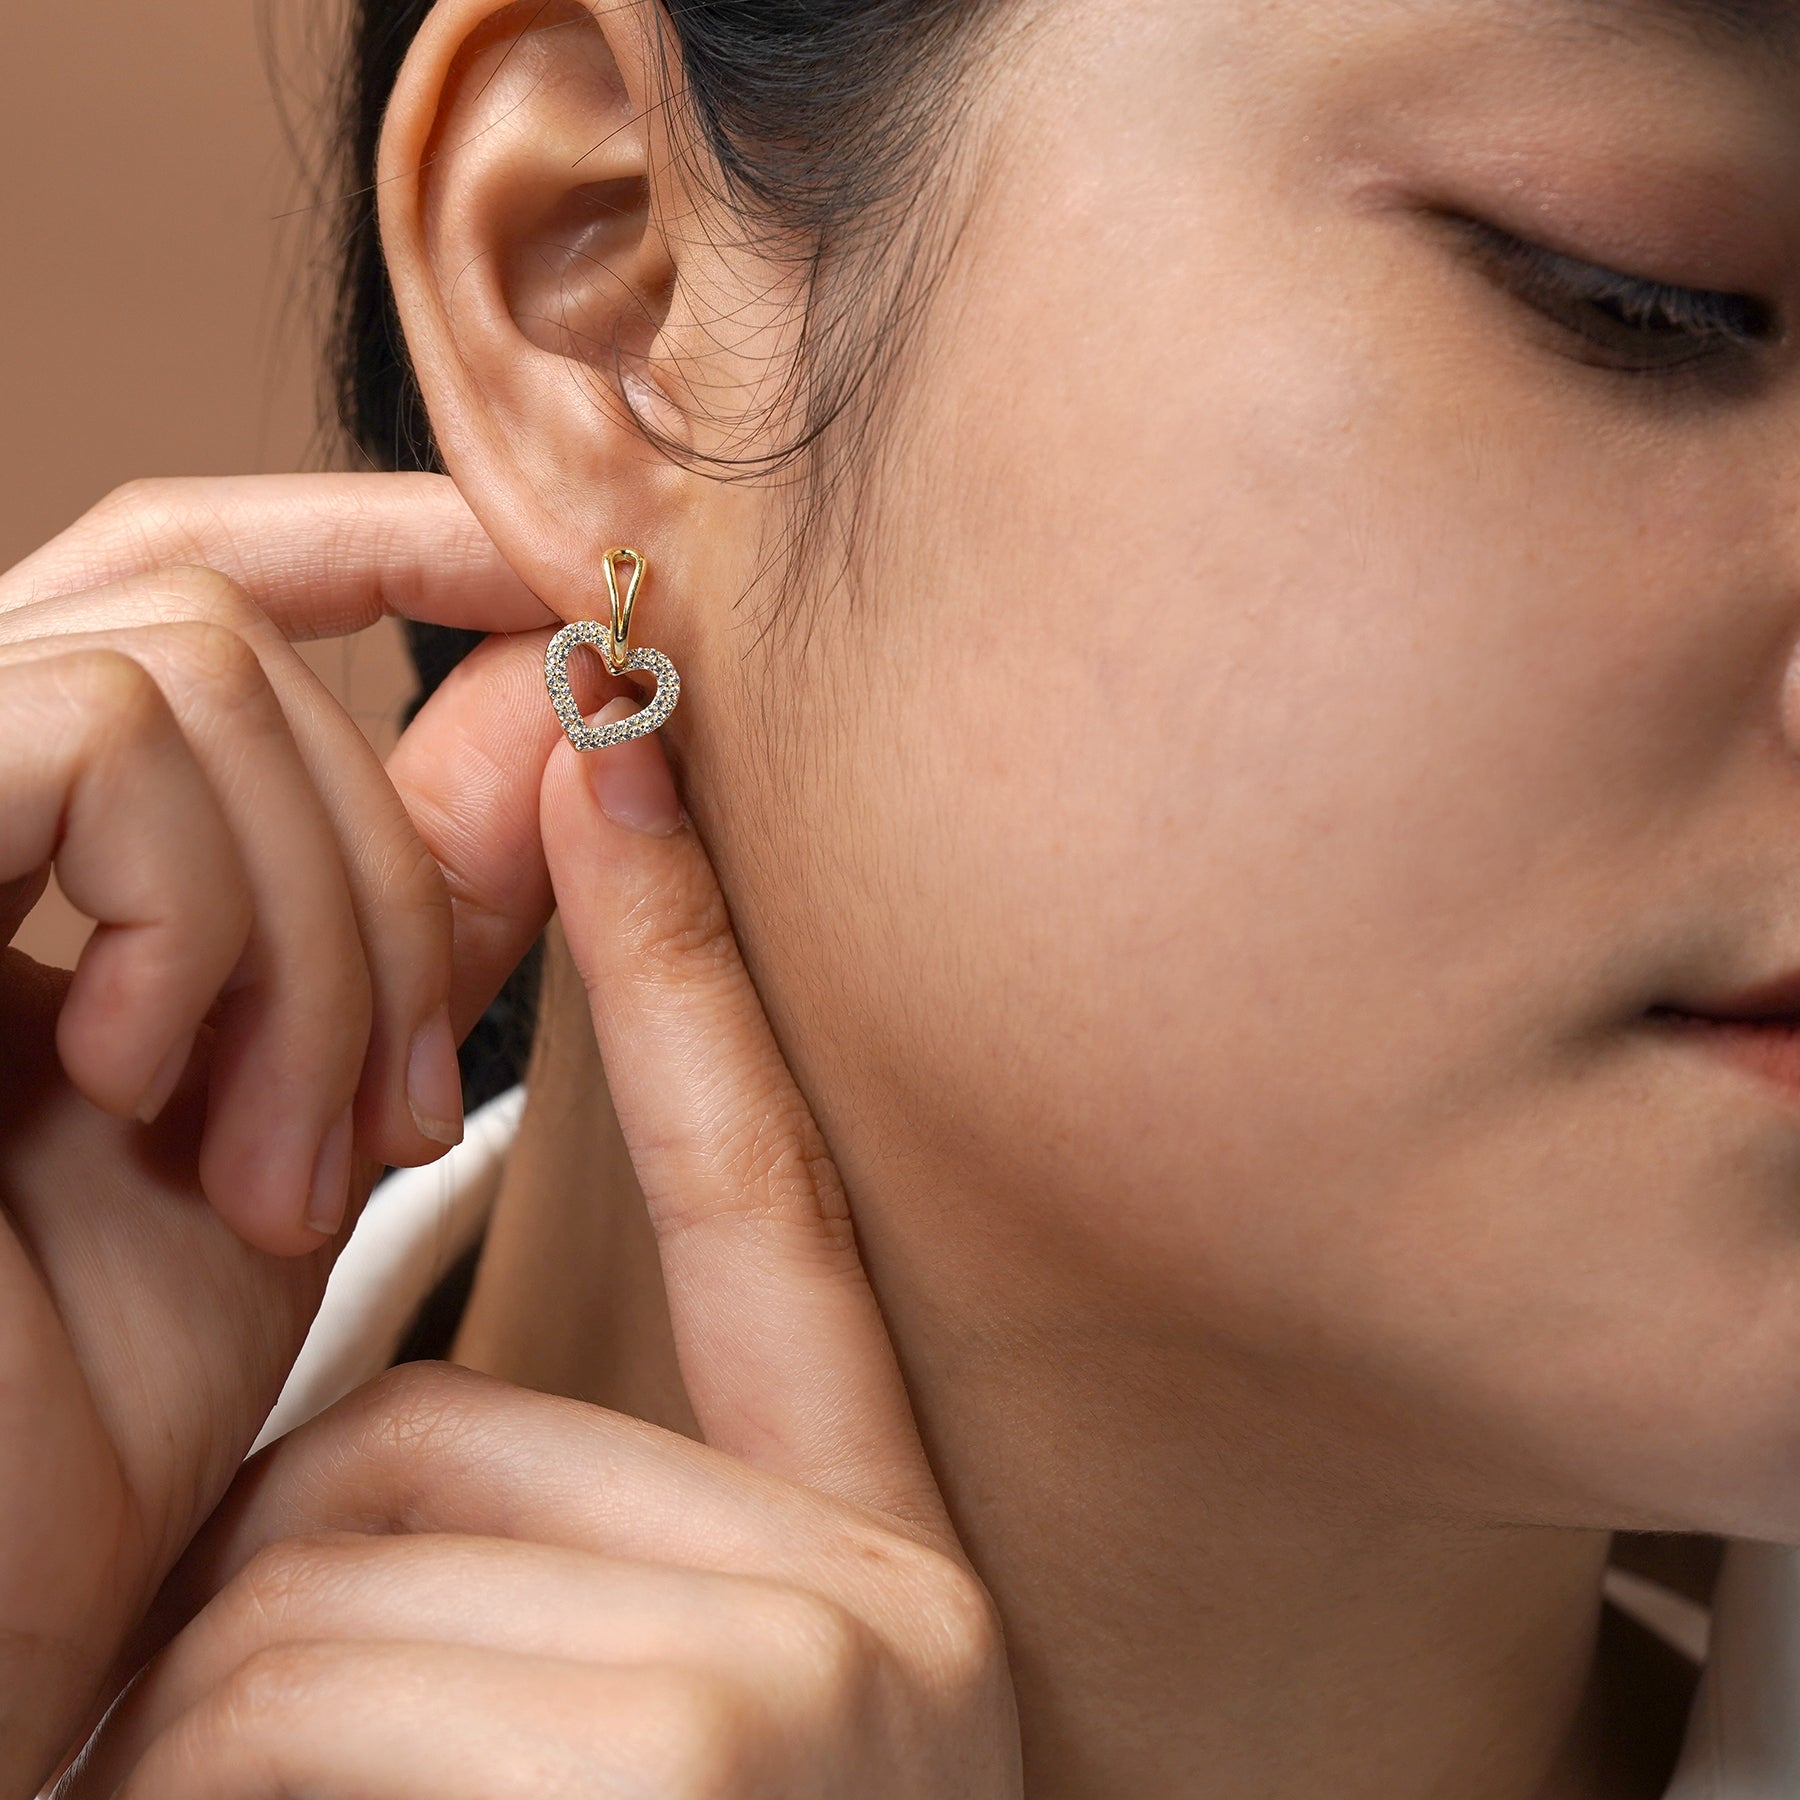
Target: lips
[(1774, 1002), (1757, 1028)]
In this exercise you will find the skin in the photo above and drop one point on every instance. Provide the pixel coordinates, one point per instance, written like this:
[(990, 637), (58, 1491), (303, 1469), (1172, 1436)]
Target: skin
[(776, 1609), (148, 694), (1205, 866)]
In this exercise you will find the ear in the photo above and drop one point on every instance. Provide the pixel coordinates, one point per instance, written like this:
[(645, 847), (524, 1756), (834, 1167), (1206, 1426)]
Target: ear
[(528, 177)]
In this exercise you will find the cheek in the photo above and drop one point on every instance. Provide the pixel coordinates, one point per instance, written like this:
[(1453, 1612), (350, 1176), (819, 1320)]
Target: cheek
[(1262, 719), (1252, 839)]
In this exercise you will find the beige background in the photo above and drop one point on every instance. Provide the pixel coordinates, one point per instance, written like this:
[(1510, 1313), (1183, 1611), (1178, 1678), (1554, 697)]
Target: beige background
[(159, 279)]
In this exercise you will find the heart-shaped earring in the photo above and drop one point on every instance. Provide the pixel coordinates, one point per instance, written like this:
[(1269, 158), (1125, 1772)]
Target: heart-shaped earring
[(613, 641)]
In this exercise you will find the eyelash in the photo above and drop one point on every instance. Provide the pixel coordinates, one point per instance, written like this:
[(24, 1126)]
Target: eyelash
[(1625, 322)]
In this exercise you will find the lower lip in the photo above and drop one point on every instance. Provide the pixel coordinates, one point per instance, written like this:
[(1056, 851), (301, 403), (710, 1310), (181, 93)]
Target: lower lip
[(1771, 1051)]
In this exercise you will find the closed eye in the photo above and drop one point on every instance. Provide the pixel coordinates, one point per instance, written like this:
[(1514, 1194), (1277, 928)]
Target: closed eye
[(1621, 321)]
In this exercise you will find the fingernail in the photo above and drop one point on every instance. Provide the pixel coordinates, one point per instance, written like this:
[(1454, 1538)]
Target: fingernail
[(162, 1083), (632, 780), (434, 1082), (331, 1179)]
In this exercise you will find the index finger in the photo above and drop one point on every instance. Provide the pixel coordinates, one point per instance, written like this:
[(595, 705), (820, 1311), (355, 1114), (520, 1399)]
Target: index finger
[(322, 555), (782, 1345)]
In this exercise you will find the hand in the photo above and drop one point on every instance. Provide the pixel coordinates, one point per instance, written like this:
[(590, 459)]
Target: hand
[(274, 934), (446, 1589)]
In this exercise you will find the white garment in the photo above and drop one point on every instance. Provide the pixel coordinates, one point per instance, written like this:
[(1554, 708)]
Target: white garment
[(415, 1226), (1743, 1737)]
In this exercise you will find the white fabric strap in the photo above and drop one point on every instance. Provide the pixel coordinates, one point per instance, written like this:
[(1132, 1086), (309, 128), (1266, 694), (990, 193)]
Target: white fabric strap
[(1743, 1739), (415, 1226)]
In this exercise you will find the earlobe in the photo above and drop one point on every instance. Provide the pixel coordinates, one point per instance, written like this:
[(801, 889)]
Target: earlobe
[(519, 217)]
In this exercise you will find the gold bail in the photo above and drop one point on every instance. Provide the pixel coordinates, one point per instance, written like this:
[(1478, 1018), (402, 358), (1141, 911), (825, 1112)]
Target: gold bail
[(618, 634)]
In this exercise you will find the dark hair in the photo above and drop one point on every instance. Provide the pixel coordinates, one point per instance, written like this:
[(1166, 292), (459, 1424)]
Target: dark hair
[(817, 120)]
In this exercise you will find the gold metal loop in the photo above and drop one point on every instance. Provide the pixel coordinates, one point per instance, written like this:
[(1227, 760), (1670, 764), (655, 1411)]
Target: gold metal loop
[(617, 650)]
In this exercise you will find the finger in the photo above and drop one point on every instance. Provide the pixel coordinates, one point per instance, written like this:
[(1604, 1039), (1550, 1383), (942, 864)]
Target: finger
[(484, 1593), (99, 776), (782, 1345), (408, 1099), (293, 1021), (437, 1449), (409, 1721), (322, 555), (468, 770)]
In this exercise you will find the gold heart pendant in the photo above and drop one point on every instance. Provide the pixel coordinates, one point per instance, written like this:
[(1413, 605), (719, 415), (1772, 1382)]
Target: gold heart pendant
[(613, 641), (600, 737)]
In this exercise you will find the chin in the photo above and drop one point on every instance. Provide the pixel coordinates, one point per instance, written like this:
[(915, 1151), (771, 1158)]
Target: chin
[(1731, 1473)]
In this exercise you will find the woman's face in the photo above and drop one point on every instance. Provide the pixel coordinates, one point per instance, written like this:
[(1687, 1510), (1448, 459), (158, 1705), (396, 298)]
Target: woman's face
[(1318, 674)]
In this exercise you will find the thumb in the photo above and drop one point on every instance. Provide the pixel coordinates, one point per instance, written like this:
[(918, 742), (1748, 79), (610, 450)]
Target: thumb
[(468, 769)]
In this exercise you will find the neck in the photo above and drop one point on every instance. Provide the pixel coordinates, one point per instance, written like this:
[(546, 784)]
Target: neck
[(1198, 1600), (1208, 1585)]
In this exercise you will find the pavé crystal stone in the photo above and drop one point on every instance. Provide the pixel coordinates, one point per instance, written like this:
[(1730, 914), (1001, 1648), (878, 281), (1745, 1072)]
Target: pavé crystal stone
[(600, 737)]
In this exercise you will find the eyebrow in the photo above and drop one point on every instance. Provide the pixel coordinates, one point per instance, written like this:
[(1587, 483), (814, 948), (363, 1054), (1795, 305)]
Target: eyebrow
[(1771, 27)]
